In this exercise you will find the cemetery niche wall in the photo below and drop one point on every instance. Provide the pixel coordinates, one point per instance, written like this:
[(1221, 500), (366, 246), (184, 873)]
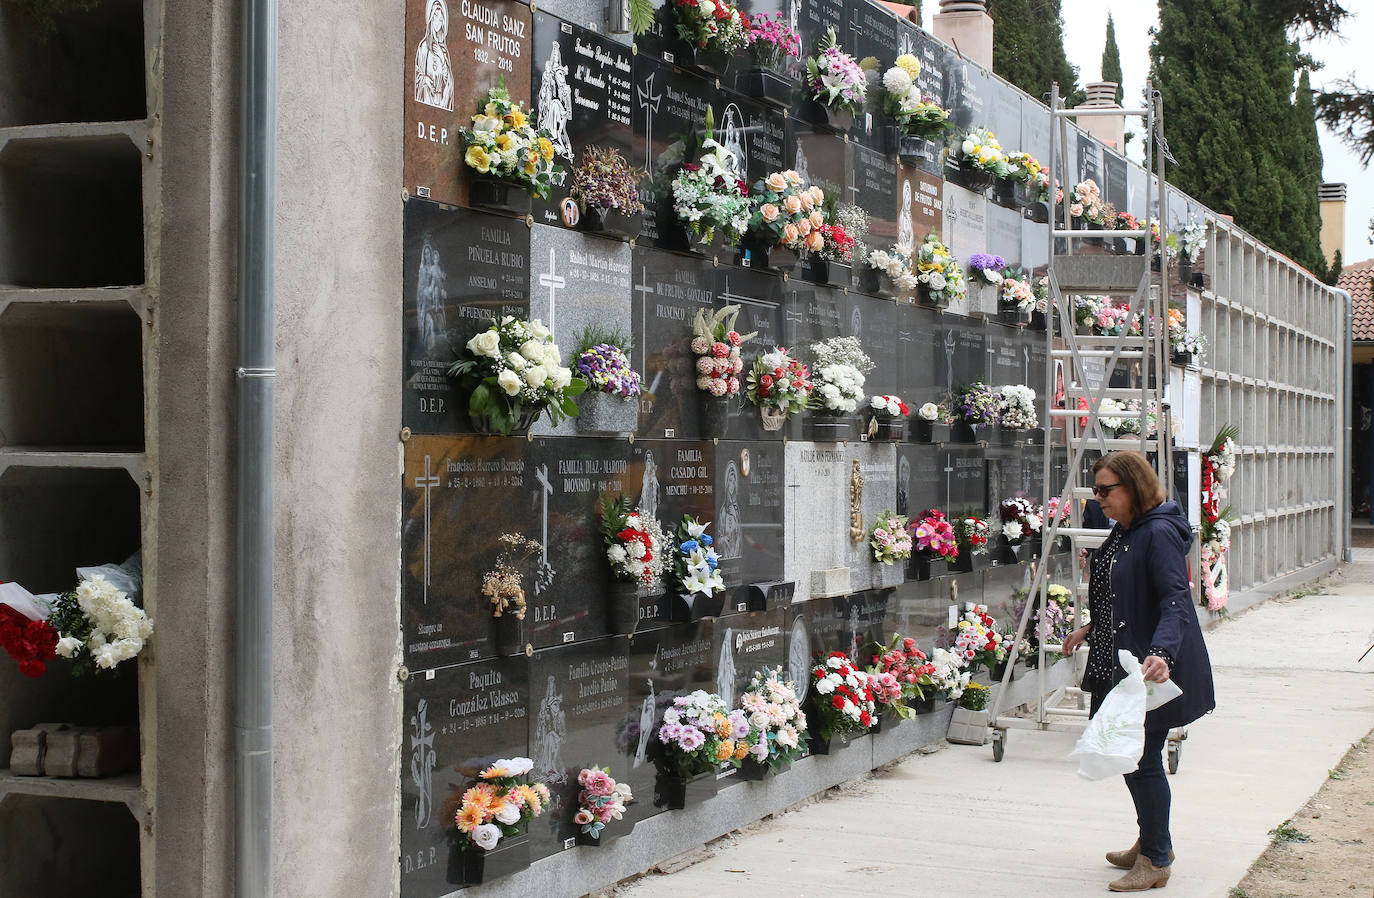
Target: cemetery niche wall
[(583, 679)]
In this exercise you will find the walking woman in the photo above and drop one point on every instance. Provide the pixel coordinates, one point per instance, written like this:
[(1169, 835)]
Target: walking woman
[(1138, 599)]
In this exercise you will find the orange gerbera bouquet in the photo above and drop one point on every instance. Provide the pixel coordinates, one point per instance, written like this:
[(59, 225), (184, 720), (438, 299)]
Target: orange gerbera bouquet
[(501, 803)]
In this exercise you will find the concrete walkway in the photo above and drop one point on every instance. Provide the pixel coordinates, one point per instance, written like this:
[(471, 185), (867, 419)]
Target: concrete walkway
[(1292, 700)]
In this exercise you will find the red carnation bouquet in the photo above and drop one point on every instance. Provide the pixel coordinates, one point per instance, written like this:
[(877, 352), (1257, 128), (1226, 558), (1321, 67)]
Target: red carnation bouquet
[(31, 643), (906, 665), (841, 697)]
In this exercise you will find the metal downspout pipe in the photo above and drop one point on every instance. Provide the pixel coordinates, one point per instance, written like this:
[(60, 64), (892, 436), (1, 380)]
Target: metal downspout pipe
[(1347, 414), (255, 377)]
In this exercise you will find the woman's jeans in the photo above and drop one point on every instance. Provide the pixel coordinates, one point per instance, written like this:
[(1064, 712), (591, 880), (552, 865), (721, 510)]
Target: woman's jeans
[(1149, 787)]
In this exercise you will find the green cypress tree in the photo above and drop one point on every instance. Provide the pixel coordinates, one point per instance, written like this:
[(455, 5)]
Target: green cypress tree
[(1111, 59), (1028, 49), (1225, 69), (1305, 185)]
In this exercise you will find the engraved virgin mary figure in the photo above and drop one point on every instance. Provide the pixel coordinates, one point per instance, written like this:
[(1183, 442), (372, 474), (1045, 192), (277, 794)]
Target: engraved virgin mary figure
[(648, 493), (949, 357), (732, 136), (729, 537), (906, 230), (903, 485), (555, 103), (648, 711), (725, 669), (801, 164), (799, 657), (429, 300), (433, 70), (550, 729)]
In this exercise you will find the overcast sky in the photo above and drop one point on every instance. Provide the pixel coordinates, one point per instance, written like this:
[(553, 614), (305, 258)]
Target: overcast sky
[(1085, 28)]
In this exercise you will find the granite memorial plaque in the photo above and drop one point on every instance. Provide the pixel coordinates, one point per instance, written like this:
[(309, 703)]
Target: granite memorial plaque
[(1008, 358), (669, 108), (926, 207), (964, 356), (872, 34), (759, 295), (864, 615), (1003, 114), (1035, 129), (577, 281), (1114, 173), (1089, 157), (462, 270), (963, 481), (591, 15), (679, 479), (878, 465), (453, 63), (749, 525), (664, 664), (756, 133), (812, 18), (875, 323), (459, 494), (919, 344), (872, 176), (811, 314), (668, 291), (919, 477), (817, 520), (966, 229), (966, 92), (457, 721), (1139, 198), (578, 695), (819, 158), (1004, 233), (582, 93), (746, 644)]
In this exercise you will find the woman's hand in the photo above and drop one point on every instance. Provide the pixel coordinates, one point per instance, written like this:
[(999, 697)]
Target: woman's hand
[(1155, 669), (1077, 638)]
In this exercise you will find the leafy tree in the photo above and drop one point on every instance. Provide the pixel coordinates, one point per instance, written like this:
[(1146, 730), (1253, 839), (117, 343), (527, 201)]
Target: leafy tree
[(1111, 59), (1333, 274), (1029, 48), (1349, 112)]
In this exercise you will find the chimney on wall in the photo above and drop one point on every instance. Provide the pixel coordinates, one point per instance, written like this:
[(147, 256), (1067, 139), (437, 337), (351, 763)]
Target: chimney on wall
[(1110, 129), (1333, 218), (966, 26)]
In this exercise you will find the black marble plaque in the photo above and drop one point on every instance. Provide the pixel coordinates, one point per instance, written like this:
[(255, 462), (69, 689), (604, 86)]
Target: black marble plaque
[(748, 519), (872, 40), (457, 721), (963, 347), (462, 269), (966, 94), (919, 477), (1089, 158), (1004, 233), (669, 290), (810, 314), (756, 133), (963, 480), (678, 479), (875, 323), (759, 295), (744, 645), (577, 700), (669, 108), (1009, 359), (583, 93), (915, 355), (1114, 173), (811, 19), (872, 177)]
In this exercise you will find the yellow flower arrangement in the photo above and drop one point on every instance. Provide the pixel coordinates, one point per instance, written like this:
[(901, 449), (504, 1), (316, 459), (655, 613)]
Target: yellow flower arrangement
[(909, 64), (477, 159), (502, 142)]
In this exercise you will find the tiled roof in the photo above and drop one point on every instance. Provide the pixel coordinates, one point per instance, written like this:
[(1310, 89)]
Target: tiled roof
[(1358, 279)]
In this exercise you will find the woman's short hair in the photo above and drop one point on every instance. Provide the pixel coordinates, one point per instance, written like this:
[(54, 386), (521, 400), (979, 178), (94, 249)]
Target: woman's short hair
[(1135, 472)]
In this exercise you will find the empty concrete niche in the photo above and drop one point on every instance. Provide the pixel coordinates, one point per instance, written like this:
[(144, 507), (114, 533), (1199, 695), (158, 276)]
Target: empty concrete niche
[(71, 212), (63, 846), (71, 376), (53, 520), (68, 65), (58, 697)]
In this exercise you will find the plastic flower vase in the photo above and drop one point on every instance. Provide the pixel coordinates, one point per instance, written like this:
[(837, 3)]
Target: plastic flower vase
[(612, 831), (929, 298), (923, 705), (826, 271), (715, 415), (473, 865), (611, 222), (623, 609), (498, 195), (711, 63), (673, 793), (910, 148), (828, 118), (924, 567), (1186, 359), (768, 87), (1000, 669), (509, 634), (828, 428), (924, 431), (753, 769), (962, 432), (484, 424), (689, 609), (1006, 553), (1008, 436), (881, 428), (969, 561), (974, 178), (758, 251), (968, 727), (773, 418), (674, 235), (877, 283), (1011, 313), (1004, 193)]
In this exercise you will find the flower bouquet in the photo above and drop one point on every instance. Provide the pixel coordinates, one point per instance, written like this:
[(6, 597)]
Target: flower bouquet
[(890, 272), (976, 640), (491, 819), (1031, 181), (511, 372), (839, 373), (97, 626), (504, 587), (777, 724), (841, 703), (606, 190), (939, 279), (710, 195), (696, 573), (971, 535), (710, 32), (779, 385), (1088, 209), (933, 420), (772, 45), (610, 401), (1125, 221), (935, 545), (787, 215), (886, 418), (1185, 346), (1016, 300), (981, 160), (913, 673), (854, 220), (26, 635), (975, 409), (1021, 525), (985, 282), (1016, 414), (831, 262), (890, 538), (697, 736), (716, 346), (969, 723), (917, 117), (507, 152), (951, 676), (600, 800), (835, 85), (638, 551)]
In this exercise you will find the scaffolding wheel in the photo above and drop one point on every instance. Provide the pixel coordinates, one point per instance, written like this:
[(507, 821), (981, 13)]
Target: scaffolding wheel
[(999, 744), (1175, 748)]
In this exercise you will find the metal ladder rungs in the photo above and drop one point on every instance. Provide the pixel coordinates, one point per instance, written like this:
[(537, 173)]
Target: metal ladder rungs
[(1116, 445), (1098, 354), (1100, 339), (1106, 234), (1109, 393), (1092, 111)]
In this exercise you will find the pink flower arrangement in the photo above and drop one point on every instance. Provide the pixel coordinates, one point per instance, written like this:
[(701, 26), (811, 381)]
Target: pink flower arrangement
[(935, 536), (716, 344), (772, 41), (890, 538), (601, 800)]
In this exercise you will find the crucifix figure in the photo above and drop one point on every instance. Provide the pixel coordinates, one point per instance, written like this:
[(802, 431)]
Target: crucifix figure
[(554, 282), (544, 577), (949, 358), (429, 482), (648, 101), (422, 758)]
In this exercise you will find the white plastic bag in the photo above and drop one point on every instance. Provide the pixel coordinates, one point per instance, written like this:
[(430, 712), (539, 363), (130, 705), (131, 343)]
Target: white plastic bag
[(1115, 738)]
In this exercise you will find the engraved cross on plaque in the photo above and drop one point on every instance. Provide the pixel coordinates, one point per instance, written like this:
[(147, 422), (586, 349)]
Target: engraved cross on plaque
[(645, 289), (429, 482), (949, 471), (554, 282), (546, 571), (648, 101)]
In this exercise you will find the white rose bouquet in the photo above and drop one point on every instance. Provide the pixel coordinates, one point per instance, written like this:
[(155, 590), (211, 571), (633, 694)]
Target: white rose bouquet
[(511, 372), (980, 150), (938, 274), (841, 364), (1016, 407), (898, 264)]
